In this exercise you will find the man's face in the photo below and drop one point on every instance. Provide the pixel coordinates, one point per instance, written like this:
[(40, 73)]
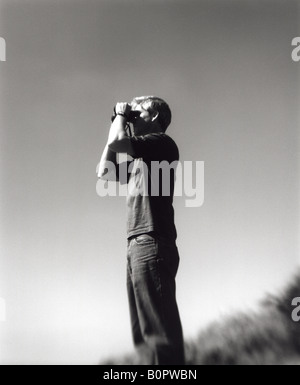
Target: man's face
[(143, 123)]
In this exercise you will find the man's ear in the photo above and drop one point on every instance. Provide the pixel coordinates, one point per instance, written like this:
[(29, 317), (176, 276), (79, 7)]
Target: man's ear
[(154, 116)]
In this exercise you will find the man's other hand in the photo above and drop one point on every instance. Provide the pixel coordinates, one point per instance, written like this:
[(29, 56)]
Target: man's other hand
[(123, 108)]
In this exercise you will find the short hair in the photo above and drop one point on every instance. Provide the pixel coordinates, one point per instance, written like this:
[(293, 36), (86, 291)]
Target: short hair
[(157, 105)]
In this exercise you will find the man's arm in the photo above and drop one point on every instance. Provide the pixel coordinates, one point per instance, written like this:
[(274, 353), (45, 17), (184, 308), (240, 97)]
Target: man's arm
[(106, 169), (153, 146)]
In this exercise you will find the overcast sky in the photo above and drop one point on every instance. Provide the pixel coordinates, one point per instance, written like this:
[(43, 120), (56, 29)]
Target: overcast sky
[(225, 68)]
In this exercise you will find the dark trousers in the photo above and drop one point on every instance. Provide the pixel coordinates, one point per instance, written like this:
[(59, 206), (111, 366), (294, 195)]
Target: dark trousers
[(156, 327)]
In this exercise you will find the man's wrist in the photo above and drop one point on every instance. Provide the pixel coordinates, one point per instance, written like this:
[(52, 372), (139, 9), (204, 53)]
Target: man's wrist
[(123, 115)]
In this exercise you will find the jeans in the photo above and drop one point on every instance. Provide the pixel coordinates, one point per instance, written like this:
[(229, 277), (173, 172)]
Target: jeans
[(152, 264)]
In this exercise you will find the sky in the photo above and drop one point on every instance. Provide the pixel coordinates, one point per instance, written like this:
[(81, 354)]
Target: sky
[(225, 68)]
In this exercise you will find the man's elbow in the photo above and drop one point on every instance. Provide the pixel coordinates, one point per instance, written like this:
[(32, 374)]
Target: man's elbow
[(102, 176), (107, 170), (107, 176), (100, 171)]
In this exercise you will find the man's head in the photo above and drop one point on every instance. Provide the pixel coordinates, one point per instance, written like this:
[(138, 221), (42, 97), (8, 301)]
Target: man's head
[(155, 115)]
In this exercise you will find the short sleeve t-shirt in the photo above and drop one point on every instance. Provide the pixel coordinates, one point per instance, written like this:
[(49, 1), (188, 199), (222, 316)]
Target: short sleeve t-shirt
[(151, 179)]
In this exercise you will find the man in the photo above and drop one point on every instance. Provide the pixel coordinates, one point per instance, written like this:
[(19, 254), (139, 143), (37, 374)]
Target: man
[(152, 256)]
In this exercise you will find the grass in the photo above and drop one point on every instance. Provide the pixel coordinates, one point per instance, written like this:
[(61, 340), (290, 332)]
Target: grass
[(265, 337)]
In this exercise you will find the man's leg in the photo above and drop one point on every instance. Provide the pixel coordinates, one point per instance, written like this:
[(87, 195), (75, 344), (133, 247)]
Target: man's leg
[(135, 324), (144, 355), (154, 265)]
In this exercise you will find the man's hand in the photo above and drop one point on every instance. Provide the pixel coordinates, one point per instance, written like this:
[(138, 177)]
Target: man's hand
[(123, 109)]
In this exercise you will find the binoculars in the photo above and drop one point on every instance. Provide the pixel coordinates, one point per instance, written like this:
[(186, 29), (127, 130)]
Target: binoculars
[(133, 115)]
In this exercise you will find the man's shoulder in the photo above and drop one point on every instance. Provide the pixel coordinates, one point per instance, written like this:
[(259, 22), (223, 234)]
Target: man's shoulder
[(166, 146), (155, 146)]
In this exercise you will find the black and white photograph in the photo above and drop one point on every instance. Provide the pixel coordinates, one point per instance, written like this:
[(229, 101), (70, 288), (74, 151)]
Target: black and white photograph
[(149, 184)]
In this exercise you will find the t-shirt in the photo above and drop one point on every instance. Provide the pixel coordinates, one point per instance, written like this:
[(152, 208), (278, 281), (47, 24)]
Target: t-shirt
[(151, 179)]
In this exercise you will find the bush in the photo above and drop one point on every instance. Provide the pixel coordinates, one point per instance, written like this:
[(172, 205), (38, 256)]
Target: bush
[(266, 337)]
